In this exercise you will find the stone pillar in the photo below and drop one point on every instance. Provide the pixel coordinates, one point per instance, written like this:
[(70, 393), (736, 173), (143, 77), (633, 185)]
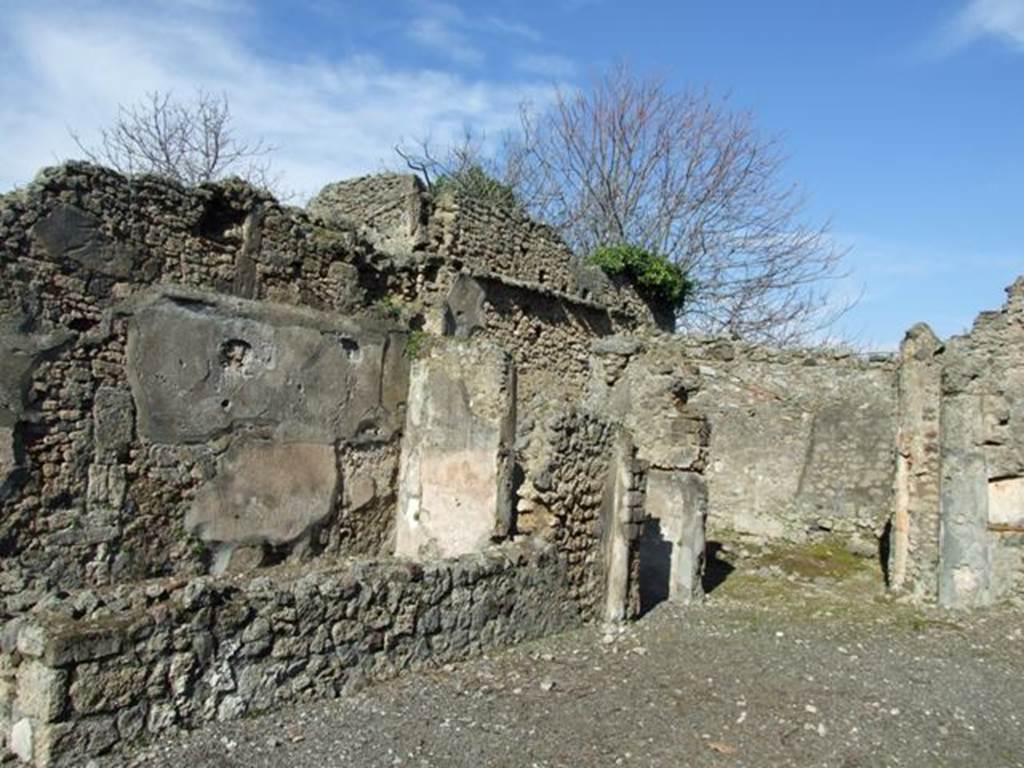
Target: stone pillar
[(623, 514), (965, 547), (455, 477), (914, 539)]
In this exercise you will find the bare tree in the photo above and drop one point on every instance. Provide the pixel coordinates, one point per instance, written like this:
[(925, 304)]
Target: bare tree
[(680, 174), (189, 142)]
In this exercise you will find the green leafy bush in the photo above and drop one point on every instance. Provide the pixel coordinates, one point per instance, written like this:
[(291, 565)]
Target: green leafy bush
[(654, 275)]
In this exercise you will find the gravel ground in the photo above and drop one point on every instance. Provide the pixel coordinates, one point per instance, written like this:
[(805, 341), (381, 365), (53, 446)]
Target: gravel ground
[(777, 668)]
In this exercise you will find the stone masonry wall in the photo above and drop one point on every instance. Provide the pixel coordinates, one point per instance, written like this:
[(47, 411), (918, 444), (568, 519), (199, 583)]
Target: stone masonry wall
[(101, 671), (982, 442), (105, 442), (570, 466), (461, 267), (788, 442)]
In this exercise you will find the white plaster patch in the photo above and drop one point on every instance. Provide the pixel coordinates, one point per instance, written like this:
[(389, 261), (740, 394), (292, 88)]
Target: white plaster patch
[(1006, 501)]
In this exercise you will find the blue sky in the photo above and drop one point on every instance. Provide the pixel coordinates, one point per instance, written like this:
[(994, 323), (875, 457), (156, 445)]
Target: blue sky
[(904, 121)]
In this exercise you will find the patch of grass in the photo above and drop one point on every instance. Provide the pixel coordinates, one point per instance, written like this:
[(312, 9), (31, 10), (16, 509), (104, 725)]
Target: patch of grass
[(389, 306), (823, 559), (416, 343)]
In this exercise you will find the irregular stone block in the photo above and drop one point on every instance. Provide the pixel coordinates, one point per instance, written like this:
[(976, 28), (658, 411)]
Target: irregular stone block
[(9, 464), (68, 232), (62, 641), (42, 691), (456, 470), (265, 493), (200, 365), (108, 690), (20, 741), (113, 415), (464, 308)]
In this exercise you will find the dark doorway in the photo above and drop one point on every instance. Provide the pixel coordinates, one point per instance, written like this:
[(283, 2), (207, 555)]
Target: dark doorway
[(655, 566), (716, 568), (884, 550)]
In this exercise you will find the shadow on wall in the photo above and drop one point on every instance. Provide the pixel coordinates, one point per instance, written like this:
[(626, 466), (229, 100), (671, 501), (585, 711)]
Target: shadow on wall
[(716, 570), (655, 566)]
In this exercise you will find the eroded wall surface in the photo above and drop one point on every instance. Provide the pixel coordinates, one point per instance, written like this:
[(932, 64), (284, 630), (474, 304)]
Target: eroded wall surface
[(982, 464), (155, 337), (455, 483), (790, 443)]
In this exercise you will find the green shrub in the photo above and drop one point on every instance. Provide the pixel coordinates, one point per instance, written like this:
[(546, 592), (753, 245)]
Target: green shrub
[(475, 183), (654, 275)]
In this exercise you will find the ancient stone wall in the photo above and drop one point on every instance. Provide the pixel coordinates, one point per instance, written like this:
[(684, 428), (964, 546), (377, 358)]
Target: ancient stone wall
[(461, 267), (982, 443), (801, 442), (570, 466), (455, 484), (101, 670), (789, 442), (143, 371)]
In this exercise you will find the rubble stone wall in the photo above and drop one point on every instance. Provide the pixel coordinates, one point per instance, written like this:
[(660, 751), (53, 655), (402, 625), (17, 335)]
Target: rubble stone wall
[(98, 672), (145, 330), (570, 467), (982, 444)]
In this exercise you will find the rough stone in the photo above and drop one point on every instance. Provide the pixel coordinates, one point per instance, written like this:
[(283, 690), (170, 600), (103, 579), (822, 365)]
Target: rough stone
[(69, 232), (41, 691), (114, 421)]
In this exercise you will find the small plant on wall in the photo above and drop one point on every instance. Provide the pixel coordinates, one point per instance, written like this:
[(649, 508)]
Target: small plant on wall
[(654, 276)]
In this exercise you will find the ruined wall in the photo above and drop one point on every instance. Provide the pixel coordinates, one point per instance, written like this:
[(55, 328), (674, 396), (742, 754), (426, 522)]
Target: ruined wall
[(461, 267), (801, 442), (566, 496), (650, 398), (982, 442), (103, 670), (121, 400), (455, 484), (789, 442)]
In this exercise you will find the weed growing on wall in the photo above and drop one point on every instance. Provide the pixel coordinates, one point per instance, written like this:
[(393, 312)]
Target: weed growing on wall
[(653, 275)]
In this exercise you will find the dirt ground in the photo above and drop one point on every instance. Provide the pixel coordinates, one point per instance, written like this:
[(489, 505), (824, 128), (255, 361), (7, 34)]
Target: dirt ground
[(796, 659)]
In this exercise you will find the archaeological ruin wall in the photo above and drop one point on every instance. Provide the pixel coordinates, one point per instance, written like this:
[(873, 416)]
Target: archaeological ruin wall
[(251, 454), (465, 268), (788, 444), (238, 439), (983, 381)]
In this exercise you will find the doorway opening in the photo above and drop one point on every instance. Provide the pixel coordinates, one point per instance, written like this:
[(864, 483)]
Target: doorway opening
[(655, 554)]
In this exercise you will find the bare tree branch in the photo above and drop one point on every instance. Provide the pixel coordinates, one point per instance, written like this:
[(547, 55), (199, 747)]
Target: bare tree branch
[(189, 142)]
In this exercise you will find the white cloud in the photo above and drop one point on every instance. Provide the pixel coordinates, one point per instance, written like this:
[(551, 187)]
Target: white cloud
[(443, 28), (551, 66), (330, 118), (1000, 19), (446, 29)]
